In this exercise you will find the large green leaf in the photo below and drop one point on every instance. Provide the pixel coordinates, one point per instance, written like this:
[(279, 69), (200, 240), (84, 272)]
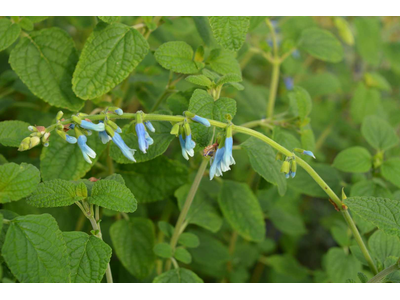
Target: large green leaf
[(88, 257), (133, 242), (62, 160), (223, 62), (230, 32), (242, 210), (179, 275), (365, 102), (321, 44), (382, 212), (35, 250), (45, 61), (9, 32), (341, 266), (378, 133), (300, 102), (391, 170), (383, 245), (54, 193), (17, 181), (368, 39), (355, 159), (13, 132), (262, 159), (110, 54)]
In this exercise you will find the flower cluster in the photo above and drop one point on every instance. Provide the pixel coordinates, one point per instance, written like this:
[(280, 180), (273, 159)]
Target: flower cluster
[(289, 166)]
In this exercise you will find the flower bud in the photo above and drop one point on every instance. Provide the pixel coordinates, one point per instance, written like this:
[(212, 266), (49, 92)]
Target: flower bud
[(285, 167), (175, 129), (76, 119), (293, 168), (112, 124), (59, 115)]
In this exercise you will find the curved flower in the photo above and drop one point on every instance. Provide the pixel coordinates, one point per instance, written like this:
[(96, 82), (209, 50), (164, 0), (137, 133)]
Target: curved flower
[(86, 150), (189, 144), (185, 153), (201, 120), (148, 138), (70, 139), (126, 151), (141, 134), (309, 153), (119, 111), (215, 169), (150, 126), (104, 137), (227, 159), (91, 126)]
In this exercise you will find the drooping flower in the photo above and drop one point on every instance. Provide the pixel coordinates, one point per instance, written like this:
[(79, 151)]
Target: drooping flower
[(293, 168), (141, 134), (126, 151), (216, 166), (86, 150), (201, 120), (309, 153), (189, 143), (150, 126), (65, 136), (185, 153), (119, 111), (92, 126), (104, 137), (148, 138), (228, 159)]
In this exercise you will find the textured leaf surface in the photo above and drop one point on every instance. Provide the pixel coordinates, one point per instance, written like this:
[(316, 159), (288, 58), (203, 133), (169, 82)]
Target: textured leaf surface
[(54, 193), (163, 250), (365, 102), (45, 62), (242, 210), (230, 32), (378, 133), (199, 80), (154, 180), (13, 132), (133, 241), (17, 181), (181, 254), (35, 250), (189, 240), (383, 245), (300, 101), (179, 275), (88, 257), (341, 266), (223, 62), (113, 195), (354, 159), (62, 160), (177, 57), (9, 33), (110, 54), (382, 212), (391, 171), (321, 44), (262, 159), (110, 19)]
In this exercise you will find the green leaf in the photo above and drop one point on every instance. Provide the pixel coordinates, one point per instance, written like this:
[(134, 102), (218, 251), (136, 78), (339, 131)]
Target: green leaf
[(383, 245), (35, 250), (382, 212), (378, 133), (262, 160), (204, 29), (154, 180), (178, 57), (110, 54), (13, 132), (54, 193), (223, 62), (321, 44), (229, 78), (339, 232), (341, 266), (133, 242), (45, 62), (113, 195), (199, 80), (88, 257), (189, 240), (355, 160), (166, 228), (62, 160), (9, 32), (242, 210), (368, 39), (391, 170), (230, 32), (110, 19), (163, 250), (300, 102), (287, 219), (179, 275), (376, 80), (287, 265), (183, 255), (162, 138), (365, 102), (17, 181)]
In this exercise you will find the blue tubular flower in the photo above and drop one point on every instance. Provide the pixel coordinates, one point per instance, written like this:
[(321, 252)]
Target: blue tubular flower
[(86, 150), (190, 144), (215, 169), (119, 130), (148, 138), (91, 126), (227, 159), (119, 111), (126, 151), (104, 137), (141, 134), (288, 83), (149, 126), (201, 120), (309, 153), (185, 153), (70, 139)]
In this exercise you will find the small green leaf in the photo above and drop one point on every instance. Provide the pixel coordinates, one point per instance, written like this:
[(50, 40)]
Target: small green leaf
[(113, 195), (287, 265), (13, 132), (365, 102), (88, 257), (376, 80), (35, 250), (17, 181), (391, 170), (321, 44), (262, 159), (354, 160), (199, 80), (230, 32), (54, 193), (166, 228), (110, 54), (341, 266), (9, 32), (110, 19), (242, 210), (378, 133), (179, 275), (178, 57), (45, 62), (383, 245), (133, 242), (382, 212), (163, 250), (183, 255), (300, 102), (229, 78), (189, 240)]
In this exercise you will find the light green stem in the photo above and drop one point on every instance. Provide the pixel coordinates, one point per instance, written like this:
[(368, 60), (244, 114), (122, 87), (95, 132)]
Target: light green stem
[(273, 89), (381, 275)]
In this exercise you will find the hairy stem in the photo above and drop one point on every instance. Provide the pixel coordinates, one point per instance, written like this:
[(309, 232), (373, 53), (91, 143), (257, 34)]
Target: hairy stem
[(381, 275)]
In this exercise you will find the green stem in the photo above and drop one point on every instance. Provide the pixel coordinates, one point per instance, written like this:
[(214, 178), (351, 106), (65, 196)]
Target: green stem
[(185, 209), (381, 275), (273, 89)]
